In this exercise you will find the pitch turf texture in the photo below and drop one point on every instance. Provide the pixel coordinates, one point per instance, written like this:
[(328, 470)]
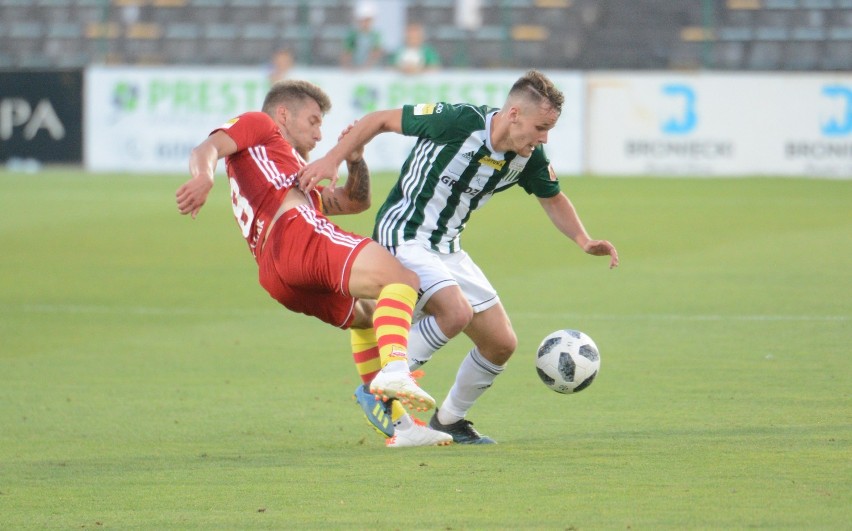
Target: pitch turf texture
[(147, 381)]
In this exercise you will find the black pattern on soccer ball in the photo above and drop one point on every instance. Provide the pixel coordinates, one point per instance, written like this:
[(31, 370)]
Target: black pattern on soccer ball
[(566, 366), (545, 377), (589, 352), (587, 382), (547, 346)]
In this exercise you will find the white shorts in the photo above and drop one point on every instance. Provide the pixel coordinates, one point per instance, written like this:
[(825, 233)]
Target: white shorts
[(438, 270)]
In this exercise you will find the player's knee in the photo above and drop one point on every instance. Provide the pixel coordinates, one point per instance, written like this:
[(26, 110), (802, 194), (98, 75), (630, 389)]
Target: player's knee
[(410, 278), (399, 275), (455, 318), (509, 344), (500, 346)]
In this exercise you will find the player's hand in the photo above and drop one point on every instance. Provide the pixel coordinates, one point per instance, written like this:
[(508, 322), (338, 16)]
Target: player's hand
[(317, 171), (602, 248), (192, 195)]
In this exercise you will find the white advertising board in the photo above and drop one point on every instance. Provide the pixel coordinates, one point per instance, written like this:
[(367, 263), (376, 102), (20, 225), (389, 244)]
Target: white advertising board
[(719, 124), (148, 119)]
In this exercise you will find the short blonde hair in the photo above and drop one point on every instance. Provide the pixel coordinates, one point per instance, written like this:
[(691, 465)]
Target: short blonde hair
[(537, 88), (292, 93)]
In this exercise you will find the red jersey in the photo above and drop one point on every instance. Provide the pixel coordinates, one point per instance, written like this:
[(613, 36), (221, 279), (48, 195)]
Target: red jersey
[(260, 173)]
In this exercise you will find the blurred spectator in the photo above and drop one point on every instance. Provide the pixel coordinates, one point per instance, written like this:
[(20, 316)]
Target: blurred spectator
[(363, 44), (416, 55), (280, 64), (468, 14)]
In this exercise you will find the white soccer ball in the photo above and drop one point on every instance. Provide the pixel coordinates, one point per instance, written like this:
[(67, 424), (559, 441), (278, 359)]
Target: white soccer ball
[(568, 361)]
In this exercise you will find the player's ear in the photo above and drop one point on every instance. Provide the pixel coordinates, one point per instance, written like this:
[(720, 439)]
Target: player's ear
[(514, 112), (282, 114)]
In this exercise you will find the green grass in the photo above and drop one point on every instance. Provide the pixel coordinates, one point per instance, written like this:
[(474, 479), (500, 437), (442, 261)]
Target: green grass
[(147, 381)]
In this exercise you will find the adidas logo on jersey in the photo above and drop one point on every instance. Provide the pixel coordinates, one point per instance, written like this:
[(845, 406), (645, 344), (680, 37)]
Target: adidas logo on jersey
[(469, 155)]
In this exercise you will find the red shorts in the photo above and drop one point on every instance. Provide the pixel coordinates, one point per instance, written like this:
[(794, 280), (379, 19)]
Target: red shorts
[(306, 263)]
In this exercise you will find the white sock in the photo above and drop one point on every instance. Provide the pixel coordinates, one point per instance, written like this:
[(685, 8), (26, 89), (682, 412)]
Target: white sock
[(424, 339), (475, 376)]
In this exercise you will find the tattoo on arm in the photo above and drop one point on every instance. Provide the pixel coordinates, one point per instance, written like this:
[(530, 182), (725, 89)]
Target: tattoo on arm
[(358, 182), (330, 204)]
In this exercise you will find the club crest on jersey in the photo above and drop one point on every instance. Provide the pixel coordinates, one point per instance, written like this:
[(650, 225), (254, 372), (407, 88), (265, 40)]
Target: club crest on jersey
[(516, 166), (496, 164)]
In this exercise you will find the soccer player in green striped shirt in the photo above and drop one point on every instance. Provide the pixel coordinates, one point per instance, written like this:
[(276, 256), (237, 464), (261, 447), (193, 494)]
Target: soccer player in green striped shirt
[(464, 154)]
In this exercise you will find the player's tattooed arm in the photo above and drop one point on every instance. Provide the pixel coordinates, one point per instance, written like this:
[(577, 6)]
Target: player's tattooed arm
[(358, 183), (354, 196)]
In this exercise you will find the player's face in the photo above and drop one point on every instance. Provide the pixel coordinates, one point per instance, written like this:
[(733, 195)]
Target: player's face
[(531, 125), (302, 127)]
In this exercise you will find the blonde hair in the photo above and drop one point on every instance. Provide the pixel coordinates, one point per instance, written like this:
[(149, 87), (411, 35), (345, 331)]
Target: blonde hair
[(537, 88), (292, 93)]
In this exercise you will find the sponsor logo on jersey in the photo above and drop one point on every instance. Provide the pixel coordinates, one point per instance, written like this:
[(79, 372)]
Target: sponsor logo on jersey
[(424, 108), (469, 155), (453, 183), (496, 164)]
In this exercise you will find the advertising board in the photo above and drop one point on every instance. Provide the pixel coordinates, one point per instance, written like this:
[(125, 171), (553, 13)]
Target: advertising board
[(41, 116), (148, 119), (719, 124)]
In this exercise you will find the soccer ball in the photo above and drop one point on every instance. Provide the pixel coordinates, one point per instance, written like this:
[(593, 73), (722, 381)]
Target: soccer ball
[(567, 361)]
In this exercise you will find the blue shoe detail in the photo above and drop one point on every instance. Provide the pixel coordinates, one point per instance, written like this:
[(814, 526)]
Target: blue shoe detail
[(377, 413)]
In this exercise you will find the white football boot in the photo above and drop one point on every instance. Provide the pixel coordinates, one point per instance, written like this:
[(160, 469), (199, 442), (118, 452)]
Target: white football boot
[(402, 386), (418, 435)]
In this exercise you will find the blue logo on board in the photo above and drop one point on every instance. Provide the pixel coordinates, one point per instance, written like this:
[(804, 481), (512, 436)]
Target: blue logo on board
[(840, 122), (686, 119)]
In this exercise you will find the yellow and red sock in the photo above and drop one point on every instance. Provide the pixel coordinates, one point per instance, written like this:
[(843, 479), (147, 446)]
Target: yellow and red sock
[(365, 352), (392, 322)]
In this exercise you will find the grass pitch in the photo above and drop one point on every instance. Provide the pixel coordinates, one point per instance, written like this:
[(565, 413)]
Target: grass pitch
[(147, 381)]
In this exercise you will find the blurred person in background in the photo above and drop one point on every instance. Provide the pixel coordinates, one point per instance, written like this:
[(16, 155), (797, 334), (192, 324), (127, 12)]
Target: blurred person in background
[(463, 155), (362, 47), (280, 64), (416, 55), (305, 262)]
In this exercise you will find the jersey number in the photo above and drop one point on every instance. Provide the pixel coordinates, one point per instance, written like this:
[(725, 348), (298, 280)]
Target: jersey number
[(242, 209)]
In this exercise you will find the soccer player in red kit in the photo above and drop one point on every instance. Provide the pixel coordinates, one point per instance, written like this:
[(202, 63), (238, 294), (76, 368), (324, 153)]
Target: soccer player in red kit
[(305, 261)]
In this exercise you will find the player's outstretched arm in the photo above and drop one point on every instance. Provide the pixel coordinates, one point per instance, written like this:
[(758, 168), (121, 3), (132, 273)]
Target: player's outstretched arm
[(564, 217), (192, 195), (325, 168)]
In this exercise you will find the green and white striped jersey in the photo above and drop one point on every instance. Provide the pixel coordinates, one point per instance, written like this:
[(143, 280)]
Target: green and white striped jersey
[(452, 171)]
